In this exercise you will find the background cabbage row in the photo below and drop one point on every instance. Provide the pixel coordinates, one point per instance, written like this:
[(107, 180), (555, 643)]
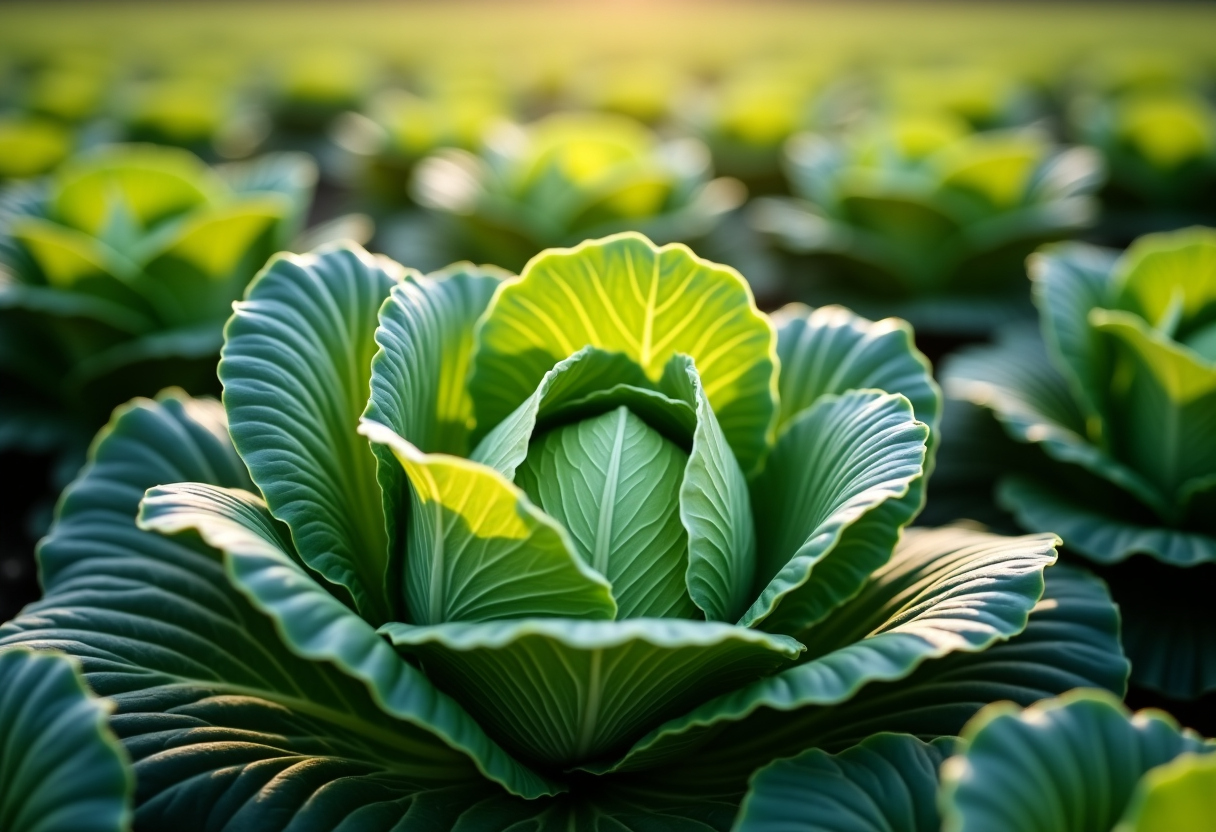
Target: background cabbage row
[(904, 163)]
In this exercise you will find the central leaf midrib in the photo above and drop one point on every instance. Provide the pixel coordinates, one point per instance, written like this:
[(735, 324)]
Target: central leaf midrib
[(603, 532), (591, 710)]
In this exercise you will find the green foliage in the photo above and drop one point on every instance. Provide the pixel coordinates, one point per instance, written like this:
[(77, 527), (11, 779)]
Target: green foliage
[(568, 177), (1160, 144), (1078, 762), (118, 271), (1119, 394), (919, 216), (61, 767), (547, 590), (1067, 763)]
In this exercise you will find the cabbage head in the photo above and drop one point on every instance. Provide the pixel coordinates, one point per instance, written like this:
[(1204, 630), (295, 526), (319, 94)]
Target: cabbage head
[(117, 273), (1119, 393), (919, 216), (567, 177), (1160, 148), (617, 540)]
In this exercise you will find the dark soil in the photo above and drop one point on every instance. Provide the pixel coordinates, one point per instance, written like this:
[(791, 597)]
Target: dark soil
[(24, 513)]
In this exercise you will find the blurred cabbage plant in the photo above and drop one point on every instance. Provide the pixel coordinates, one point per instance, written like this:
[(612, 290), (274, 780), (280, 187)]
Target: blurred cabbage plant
[(1160, 148), (1076, 762), (920, 217), (746, 118), (570, 176), (987, 97), (31, 146), (398, 129), (618, 540), (117, 273), (1119, 393)]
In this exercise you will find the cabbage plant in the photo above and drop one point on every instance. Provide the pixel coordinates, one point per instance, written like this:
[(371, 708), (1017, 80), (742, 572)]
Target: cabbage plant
[(31, 146), (749, 115), (1160, 148), (568, 177), (118, 272), (617, 540), (921, 217), (1078, 762), (397, 130), (1119, 393)]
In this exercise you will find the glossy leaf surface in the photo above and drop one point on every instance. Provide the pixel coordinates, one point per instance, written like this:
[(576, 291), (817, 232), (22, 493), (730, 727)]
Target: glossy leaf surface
[(938, 649), (296, 367)]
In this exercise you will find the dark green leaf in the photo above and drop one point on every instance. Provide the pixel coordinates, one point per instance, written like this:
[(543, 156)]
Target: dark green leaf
[(888, 783), (61, 768), (1034, 403), (565, 692), (228, 727), (918, 653), (1069, 763), (419, 373), (829, 505)]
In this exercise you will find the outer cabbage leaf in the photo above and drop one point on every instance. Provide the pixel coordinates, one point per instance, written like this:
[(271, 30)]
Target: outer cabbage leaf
[(625, 294), (1096, 532), (561, 692), (261, 564), (1164, 418), (830, 350), (887, 783), (1167, 633), (1178, 796), (972, 590), (235, 714), (61, 768), (829, 505), (1067, 763), (1069, 279), (296, 366), (1034, 403)]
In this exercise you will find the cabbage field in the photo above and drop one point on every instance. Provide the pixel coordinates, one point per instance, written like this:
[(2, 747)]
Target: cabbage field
[(618, 416)]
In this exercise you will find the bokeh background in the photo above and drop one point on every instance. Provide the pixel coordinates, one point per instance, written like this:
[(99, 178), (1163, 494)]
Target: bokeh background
[(902, 158)]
